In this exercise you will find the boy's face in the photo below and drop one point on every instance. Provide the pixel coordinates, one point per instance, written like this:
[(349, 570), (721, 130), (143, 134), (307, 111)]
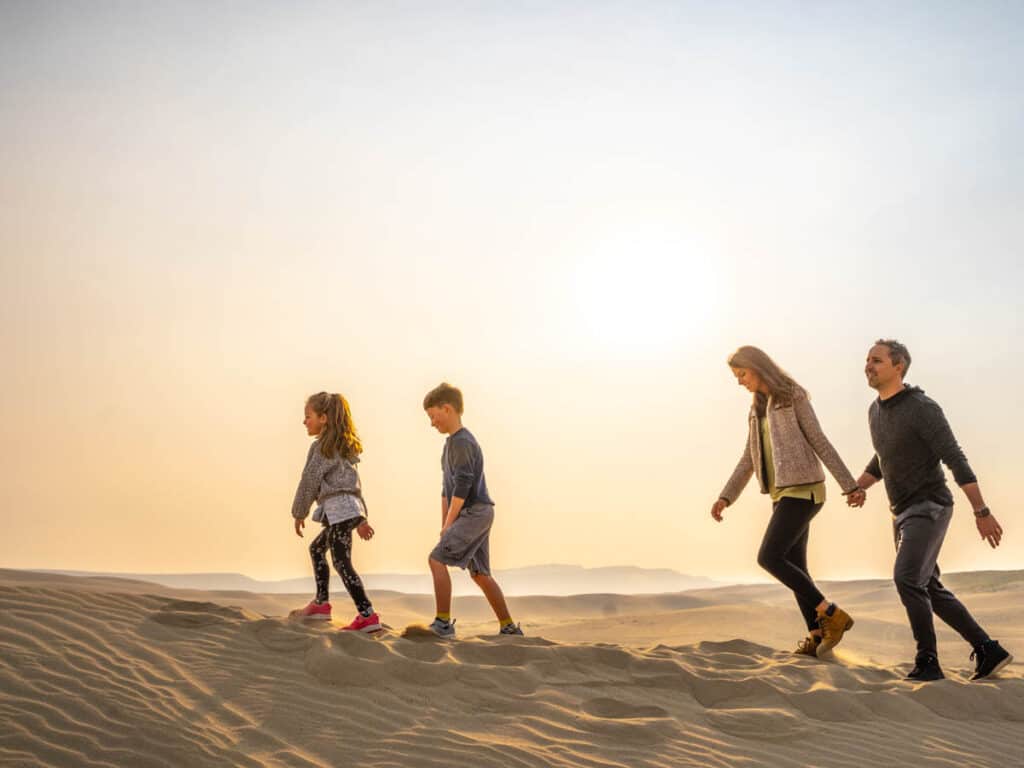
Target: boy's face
[(443, 418)]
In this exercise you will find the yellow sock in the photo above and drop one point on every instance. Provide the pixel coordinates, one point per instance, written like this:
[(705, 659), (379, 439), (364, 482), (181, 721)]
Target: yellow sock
[(507, 623), (444, 616)]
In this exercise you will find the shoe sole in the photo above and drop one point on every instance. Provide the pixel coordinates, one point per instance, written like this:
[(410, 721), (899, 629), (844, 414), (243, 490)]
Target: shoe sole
[(825, 646), (924, 679), (996, 668)]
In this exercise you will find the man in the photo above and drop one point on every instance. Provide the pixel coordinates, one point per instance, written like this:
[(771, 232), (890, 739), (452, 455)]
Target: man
[(911, 436)]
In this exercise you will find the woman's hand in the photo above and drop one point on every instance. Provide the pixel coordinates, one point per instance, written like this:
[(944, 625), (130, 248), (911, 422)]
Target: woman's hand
[(299, 525), (856, 498), (717, 507), (365, 531)]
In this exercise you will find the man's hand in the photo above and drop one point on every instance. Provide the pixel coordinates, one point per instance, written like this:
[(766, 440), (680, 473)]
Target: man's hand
[(300, 523), (989, 529), (856, 498), (365, 531), (717, 507)]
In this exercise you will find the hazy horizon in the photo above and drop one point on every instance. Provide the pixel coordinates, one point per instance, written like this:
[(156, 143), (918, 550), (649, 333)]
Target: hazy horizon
[(574, 212)]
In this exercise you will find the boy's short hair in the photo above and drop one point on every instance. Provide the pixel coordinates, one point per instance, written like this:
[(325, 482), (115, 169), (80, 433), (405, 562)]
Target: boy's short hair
[(443, 394), (898, 353)]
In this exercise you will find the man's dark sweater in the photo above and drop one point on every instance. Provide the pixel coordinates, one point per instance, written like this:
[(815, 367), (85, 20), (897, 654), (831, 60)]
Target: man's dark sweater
[(911, 436)]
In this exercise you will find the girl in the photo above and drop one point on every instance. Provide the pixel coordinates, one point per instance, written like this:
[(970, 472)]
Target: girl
[(331, 479), (784, 445)]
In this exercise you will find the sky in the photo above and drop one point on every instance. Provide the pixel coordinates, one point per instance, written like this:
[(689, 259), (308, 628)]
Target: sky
[(574, 211)]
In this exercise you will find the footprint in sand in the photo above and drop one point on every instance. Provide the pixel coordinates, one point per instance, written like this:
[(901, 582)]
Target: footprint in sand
[(619, 710), (760, 724), (282, 637), (188, 613)]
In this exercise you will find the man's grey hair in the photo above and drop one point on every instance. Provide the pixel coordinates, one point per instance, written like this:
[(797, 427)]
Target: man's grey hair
[(898, 353)]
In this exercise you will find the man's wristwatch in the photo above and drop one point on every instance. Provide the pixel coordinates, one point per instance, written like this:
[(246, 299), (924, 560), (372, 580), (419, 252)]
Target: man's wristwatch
[(983, 512)]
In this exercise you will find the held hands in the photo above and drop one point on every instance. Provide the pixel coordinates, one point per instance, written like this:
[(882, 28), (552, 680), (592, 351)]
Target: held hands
[(299, 525), (856, 498), (716, 509), (989, 529), (365, 531)]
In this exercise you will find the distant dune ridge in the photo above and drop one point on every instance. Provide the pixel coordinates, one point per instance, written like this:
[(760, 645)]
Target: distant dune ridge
[(114, 672), (533, 580)]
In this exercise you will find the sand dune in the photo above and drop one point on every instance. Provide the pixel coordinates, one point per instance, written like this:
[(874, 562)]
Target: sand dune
[(103, 672)]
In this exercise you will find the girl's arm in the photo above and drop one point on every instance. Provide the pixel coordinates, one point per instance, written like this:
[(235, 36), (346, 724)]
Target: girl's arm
[(309, 483)]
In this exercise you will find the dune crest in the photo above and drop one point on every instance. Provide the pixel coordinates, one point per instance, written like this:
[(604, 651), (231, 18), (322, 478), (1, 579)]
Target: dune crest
[(93, 676)]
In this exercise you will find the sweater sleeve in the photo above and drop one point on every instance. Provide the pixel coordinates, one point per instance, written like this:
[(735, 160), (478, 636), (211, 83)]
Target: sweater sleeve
[(740, 477), (460, 459), (874, 468), (309, 483), (809, 425), (934, 429)]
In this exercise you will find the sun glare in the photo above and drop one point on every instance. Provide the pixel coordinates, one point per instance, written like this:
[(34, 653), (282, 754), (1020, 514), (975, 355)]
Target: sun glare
[(643, 295)]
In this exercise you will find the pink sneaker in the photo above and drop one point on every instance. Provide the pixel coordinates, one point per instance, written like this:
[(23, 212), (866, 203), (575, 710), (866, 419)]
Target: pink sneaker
[(315, 610), (362, 623)]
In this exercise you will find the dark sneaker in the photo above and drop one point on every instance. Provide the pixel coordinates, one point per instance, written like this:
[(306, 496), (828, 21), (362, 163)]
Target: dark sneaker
[(926, 668), (808, 646), (510, 629), (442, 628), (833, 626), (990, 657)]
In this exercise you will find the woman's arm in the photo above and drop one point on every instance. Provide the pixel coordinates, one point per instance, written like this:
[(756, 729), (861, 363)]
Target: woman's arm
[(809, 425)]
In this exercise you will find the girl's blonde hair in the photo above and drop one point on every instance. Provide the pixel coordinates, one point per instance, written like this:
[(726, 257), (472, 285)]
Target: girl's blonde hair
[(781, 386), (339, 437)]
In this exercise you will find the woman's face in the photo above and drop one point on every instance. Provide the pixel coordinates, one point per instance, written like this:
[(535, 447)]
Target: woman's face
[(748, 378)]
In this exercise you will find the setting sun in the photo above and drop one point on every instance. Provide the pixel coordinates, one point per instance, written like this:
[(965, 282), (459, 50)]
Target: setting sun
[(643, 292)]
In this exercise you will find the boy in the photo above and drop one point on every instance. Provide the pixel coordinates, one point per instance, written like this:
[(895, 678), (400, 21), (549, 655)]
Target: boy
[(467, 513)]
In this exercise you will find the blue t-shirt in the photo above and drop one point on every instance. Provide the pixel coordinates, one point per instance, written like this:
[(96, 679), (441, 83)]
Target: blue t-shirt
[(462, 465)]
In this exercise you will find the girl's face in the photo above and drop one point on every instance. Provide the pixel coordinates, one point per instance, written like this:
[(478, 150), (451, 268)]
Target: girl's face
[(748, 378), (314, 422)]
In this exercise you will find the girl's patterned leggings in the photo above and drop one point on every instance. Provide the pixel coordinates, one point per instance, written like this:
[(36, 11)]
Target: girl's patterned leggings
[(338, 538)]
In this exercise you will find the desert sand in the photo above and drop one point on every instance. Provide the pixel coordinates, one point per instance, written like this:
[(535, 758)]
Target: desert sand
[(110, 672)]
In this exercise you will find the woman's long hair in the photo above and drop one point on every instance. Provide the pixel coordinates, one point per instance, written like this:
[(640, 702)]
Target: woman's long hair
[(781, 386), (339, 437)]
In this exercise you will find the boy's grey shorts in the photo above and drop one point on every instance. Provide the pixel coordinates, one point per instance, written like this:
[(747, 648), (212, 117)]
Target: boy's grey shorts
[(467, 542)]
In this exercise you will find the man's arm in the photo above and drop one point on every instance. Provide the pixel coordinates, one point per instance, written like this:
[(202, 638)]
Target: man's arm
[(444, 510), (988, 526), (866, 480)]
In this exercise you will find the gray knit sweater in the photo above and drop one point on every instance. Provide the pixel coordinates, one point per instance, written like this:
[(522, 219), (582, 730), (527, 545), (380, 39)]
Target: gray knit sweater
[(798, 443), (324, 479)]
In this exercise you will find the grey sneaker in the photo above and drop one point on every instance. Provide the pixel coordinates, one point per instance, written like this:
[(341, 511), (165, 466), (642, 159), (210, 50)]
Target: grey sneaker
[(511, 629), (442, 628)]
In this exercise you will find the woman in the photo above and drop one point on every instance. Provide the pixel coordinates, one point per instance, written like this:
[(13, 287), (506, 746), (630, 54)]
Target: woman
[(784, 447)]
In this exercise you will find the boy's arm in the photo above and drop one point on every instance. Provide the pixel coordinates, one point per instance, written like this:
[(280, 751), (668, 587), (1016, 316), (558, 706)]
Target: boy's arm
[(444, 510), (452, 513)]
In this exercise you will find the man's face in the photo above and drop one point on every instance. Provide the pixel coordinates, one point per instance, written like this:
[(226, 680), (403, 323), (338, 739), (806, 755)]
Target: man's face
[(879, 369)]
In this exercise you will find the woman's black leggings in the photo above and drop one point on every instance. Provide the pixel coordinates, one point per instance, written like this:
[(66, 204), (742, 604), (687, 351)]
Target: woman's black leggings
[(784, 552), (338, 538)]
